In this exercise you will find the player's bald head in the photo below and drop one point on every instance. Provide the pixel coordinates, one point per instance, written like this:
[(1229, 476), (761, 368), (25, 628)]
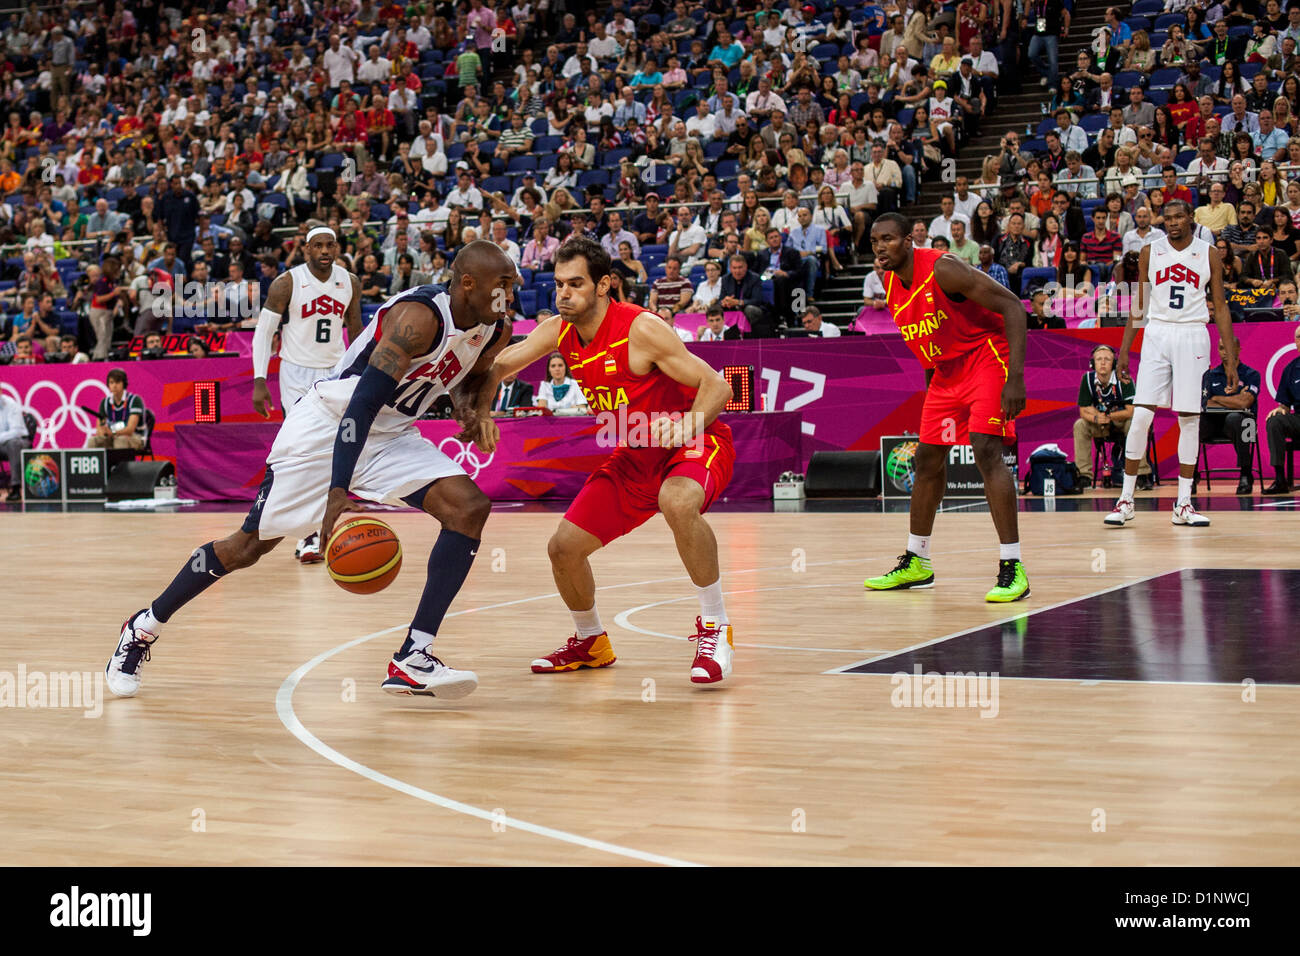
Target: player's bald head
[(482, 260), (897, 221)]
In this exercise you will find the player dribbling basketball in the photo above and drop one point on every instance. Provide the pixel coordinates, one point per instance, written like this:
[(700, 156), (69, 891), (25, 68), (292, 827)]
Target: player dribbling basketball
[(1177, 271), (969, 333), (631, 364), (356, 431), (315, 300)]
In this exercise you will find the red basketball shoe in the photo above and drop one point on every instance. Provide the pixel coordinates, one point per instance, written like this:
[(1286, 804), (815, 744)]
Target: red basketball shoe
[(713, 647), (592, 651)]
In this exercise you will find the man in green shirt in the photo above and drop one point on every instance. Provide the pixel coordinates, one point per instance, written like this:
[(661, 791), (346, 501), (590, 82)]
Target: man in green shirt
[(961, 247), (468, 65), (1105, 411), (122, 417)]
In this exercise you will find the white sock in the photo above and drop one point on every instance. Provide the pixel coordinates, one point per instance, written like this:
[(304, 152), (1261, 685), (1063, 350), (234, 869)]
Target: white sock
[(587, 623), (711, 606), (1009, 552), (1184, 490), (919, 546), (420, 640), (148, 622), (1130, 486)]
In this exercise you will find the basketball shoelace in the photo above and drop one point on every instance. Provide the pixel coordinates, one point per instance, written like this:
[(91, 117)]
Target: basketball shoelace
[(136, 651), (705, 638), (904, 562), (1006, 573)]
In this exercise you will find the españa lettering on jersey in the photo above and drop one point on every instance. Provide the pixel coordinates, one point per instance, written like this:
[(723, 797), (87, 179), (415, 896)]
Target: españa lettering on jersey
[(935, 327), (602, 370)]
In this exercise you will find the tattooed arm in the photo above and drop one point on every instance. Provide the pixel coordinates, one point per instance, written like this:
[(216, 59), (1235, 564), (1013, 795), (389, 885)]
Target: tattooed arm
[(409, 330)]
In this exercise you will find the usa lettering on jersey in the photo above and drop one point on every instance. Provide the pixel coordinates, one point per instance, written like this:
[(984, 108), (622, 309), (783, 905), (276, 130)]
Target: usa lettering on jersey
[(1178, 273), (323, 305)]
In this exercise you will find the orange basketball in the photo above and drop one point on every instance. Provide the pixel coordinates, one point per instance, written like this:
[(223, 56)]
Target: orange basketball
[(363, 555)]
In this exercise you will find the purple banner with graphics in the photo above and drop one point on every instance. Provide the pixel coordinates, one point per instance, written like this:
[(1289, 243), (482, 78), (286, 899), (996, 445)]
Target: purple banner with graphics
[(850, 391), (538, 457)]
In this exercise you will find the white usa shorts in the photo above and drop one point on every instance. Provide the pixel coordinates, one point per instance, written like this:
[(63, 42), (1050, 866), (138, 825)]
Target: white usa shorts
[(296, 381), (1175, 355), (291, 499)]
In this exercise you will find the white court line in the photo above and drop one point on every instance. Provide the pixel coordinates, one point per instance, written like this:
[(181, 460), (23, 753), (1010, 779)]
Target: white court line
[(621, 619), (284, 709), (1005, 620)]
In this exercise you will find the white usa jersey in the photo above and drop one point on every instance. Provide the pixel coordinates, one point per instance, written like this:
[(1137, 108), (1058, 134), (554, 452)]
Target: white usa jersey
[(1179, 281), (312, 333), (453, 354)]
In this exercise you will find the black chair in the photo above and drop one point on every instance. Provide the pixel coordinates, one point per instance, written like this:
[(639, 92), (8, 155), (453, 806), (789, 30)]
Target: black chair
[(1205, 470), (1099, 449), (1289, 448)]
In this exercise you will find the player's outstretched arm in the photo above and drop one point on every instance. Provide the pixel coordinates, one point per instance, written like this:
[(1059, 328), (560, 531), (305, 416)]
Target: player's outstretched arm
[(1223, 319), (1136, 308), (652, 339), (410, 329), (540, 341), (268, 320), (955, 277)]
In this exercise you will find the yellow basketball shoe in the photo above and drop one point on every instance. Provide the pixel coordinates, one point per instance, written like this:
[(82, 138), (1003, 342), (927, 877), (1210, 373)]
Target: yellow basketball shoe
[(594, 651)]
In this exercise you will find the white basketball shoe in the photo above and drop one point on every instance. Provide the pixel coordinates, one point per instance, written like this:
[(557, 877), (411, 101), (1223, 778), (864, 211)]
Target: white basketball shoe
[(1185, 514), (713, 646), (419, 673), (1123, 512), (123, 671)]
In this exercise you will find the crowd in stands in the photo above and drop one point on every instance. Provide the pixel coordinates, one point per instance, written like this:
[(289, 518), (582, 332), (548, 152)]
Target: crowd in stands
[(1175, 100), (157, 156)]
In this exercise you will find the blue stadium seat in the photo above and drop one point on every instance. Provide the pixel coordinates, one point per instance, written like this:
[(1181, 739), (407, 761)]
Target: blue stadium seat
[(1157, 97), (539, 126), (497, 184), (1167, 20), (519, 164), (546, 144), (1046, 123), (380, 211), (715, 149), (330, 161), (1088, 205), (727, 168), (1148, 8), (1126, 78), (1248, 70), (1093, 123), (1138, 23), (1185, 157), (823, 50), (598, 177), (528, 301), (614, 157), (1166, 76)]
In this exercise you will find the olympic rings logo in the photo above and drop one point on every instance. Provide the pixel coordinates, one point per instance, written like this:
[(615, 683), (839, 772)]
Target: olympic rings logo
[(67, 412), (466, 456)]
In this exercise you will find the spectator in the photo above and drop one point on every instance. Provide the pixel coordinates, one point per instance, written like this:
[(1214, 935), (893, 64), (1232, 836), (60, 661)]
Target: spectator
[(962, 247), (742, 291), (1105, 412), (1224, 413), (512, 393), (1014, 250), (709, 290), (1216, 215), (1050, 21), (1283, 423), (1040, 315), (1266, 266), (992, 269), (1142, 234), (121, 417), (715, 328), (13, 439), (814, 324), (1101, 246), (560, 392), (672, 291)]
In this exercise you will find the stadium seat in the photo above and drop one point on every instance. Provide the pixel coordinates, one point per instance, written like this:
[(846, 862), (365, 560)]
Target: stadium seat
[(546, 144), (1157, 97), (1166, 20), (1166, 76), (497, 184), (539, 126), (597, 177), (1127, 78), (1031, 279), (520, 164), (1046, 123), (1093, 123), (1148, 8)]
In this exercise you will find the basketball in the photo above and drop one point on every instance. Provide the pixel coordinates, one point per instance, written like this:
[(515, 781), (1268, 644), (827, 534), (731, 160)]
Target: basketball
[(363, 555)]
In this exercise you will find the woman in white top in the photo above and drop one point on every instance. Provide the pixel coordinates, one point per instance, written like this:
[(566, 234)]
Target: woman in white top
[(560, 391), (830, 215), (562, 175), (710, 290)]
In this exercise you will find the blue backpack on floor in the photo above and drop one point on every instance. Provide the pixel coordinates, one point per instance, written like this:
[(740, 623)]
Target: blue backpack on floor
[(1048, 461)]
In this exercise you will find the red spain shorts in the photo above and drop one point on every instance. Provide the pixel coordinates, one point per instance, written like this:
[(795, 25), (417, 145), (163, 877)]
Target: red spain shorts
[(965, 396), (623, 493)]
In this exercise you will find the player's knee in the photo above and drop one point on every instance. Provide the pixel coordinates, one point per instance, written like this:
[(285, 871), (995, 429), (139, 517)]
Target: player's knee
[(680, 505), (988, 452), (928, 462), (564, 548), (241, 550)]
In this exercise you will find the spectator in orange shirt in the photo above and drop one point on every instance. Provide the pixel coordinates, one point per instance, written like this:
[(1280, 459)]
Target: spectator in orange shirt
[(9, 178), (380, 123), (1173, 189)]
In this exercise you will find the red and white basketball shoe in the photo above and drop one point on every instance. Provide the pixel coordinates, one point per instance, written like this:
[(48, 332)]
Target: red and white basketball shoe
[(713, 647), (594, 651), (1186, 514), (420, 674)]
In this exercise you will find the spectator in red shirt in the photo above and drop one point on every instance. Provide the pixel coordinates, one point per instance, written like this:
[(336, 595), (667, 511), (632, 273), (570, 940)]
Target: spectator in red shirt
[(1173, 189), (1101, 246)]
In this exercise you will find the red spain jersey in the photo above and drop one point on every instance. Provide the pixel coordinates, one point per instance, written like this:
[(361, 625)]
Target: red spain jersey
[(602, 371), (935, 327)]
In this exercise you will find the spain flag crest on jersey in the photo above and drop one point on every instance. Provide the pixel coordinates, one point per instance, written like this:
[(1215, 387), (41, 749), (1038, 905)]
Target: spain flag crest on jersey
[(611, 367)]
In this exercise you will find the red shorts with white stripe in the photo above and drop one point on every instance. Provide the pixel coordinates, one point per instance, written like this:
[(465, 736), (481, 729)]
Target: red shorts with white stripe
[(965, 395), (623, 493)]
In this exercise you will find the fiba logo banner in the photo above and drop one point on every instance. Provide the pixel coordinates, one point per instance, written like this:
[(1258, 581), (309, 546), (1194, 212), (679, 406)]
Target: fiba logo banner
[(465, 455), (899, 466), (66, 476)]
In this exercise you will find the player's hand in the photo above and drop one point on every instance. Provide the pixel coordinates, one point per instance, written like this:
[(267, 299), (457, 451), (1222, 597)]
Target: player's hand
[(1121, 367), (1277, 411), (1230, 370), (262, 399), (666, 433), (335, 505), (1013, 397)]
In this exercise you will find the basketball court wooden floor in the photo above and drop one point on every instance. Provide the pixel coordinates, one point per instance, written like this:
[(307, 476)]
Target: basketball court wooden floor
[(1143, 713)]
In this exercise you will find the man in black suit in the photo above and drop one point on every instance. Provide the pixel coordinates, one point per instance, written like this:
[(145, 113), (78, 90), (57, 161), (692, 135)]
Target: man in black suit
[(742, 291), (717, 329), (512, 393), (782, 265)]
